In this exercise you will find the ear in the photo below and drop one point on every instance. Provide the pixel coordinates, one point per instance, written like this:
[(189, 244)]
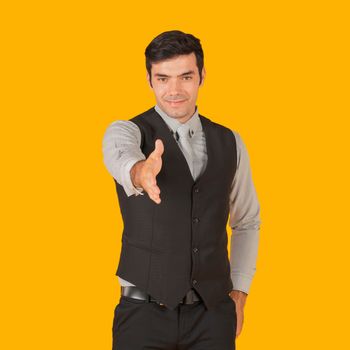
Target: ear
[(149, 80), (203, 76)]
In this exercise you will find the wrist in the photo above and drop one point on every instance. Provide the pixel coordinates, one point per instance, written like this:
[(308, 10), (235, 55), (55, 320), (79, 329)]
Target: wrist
[(238, 296), (135, 173)]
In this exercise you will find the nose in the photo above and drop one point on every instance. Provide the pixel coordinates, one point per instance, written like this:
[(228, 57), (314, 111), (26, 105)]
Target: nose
[(174, 87)]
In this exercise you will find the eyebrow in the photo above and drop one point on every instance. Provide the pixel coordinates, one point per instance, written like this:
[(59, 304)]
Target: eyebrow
[(167, 76)]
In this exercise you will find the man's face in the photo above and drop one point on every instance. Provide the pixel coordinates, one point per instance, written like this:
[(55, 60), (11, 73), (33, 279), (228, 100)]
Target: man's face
[(175, 84)]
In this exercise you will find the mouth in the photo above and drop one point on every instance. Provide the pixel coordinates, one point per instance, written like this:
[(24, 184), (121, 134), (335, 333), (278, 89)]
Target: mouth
[(175, 103)]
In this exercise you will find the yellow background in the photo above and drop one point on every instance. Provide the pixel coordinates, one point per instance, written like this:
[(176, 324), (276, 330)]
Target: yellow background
[(277, 72)]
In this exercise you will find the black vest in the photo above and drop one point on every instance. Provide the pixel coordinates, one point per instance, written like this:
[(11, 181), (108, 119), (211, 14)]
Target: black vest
[(181, 243)]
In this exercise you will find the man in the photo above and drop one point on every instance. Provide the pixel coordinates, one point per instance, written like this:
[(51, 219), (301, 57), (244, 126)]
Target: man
[(178, 176)]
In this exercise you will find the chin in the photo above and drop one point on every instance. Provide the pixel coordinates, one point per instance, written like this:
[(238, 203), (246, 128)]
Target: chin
[(176, 114)]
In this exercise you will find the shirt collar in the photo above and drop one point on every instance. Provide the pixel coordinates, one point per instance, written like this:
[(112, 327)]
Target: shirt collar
[(173, 124)]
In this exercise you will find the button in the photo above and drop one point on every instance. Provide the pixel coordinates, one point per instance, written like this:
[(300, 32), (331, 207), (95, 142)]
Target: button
[(194, 282), (196, 190), (195, 249), (195, 220)]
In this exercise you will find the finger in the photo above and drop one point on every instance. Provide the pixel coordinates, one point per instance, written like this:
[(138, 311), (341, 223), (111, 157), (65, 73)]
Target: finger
[(154, 195), (155, 198), (155, 189), (239, 326), (150, 180), (152, 188), (159, 147), (158, 151)]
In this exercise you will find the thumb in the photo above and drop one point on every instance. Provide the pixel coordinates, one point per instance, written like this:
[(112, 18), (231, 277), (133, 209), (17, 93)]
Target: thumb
[(159, 148)]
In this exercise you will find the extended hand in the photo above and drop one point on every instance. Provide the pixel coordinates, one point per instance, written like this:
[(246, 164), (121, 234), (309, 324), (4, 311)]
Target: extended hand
[(143, 173)]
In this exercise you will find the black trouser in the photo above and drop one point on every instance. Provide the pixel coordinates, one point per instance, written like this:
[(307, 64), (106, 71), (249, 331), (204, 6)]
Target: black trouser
[(142, 325)]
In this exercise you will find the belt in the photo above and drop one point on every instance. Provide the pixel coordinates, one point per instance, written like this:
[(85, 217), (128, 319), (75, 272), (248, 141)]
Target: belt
[(136, 293)]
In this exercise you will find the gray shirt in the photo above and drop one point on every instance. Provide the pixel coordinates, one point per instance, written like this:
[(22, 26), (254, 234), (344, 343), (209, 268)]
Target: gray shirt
[(121, 150)]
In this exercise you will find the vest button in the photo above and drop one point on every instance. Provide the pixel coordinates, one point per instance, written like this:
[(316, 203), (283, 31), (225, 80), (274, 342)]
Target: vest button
[(194, 282), (195, 220), (195, 249), (196, 190)]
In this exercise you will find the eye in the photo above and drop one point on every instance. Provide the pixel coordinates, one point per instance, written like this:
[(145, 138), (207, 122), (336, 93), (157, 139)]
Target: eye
[(162, 79), (189, 78)]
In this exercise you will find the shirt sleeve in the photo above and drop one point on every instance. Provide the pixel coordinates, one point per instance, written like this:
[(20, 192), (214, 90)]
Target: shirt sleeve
[(244, 222), (121, 150)]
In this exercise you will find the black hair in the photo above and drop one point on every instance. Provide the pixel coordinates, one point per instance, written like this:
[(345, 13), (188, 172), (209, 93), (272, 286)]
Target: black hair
[(171, 44)]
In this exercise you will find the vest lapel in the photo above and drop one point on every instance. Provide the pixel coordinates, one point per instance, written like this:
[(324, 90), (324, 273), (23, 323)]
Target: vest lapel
[(208, 141)]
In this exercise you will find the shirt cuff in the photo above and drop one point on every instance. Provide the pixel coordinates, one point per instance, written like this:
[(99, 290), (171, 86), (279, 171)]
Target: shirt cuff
[(241, 282)]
